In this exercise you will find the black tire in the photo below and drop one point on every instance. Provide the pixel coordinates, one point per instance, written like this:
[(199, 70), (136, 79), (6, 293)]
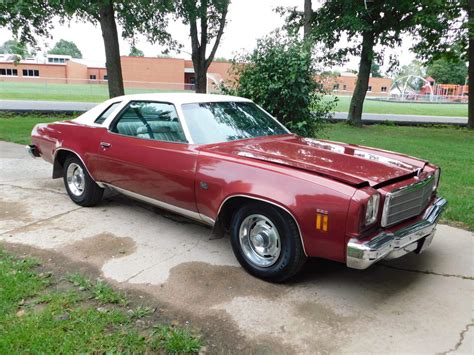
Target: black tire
[(291, 258), (91, 194)]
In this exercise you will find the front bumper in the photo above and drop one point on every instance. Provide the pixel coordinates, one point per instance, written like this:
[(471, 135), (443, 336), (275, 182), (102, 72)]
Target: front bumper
[(32, 151), (390, 245)]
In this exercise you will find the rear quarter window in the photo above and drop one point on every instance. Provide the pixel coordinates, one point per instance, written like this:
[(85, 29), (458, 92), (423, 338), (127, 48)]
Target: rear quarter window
[(108, 111)]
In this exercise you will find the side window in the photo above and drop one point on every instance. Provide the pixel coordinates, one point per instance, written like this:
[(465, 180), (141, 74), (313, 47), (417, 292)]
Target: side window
[(150, 120), (106, 113)]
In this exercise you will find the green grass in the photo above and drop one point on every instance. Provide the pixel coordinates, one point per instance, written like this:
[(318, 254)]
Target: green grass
[(17, 128), (409, 108), (42, 314), (449, 147), (43, 90)]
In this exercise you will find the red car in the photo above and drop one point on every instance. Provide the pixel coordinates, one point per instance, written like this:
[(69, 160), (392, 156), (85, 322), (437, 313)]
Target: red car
[(224, 161)]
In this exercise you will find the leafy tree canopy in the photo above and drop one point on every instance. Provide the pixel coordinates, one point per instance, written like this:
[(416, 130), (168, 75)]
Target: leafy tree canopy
[(375, 70), (280, 76), (448, 70), (415, 68), (27, 19), (66, 48), (135, 52), (14, 47)]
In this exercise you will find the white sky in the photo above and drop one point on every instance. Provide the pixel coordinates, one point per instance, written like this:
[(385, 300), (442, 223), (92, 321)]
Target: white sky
[(248, 21)]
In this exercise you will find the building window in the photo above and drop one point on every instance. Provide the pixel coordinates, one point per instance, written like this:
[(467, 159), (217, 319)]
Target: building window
[(106, 77), (8, 72), (344, 87), (56, 60), (30, 72), (383, 89), (369, 88), (92, 77), (335, 87)]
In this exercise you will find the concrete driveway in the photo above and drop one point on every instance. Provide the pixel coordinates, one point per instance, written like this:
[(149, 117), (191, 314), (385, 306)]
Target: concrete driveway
[(418, 304)]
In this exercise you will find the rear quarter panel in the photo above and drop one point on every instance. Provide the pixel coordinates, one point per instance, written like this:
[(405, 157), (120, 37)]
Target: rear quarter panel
[(81, 139), (301, 193)]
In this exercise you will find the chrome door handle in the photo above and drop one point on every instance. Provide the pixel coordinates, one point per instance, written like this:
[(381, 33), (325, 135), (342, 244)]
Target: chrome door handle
[(105, 145)]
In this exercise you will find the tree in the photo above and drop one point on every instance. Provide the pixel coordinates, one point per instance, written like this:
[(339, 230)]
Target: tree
[(66, 48), (448, 71), (27, 19), (211, 16), (14, 47), (415, 68), (454, 29), (135, 16), (307, 18), (135, 52), (366, 24), (375, 70), (279, 74)]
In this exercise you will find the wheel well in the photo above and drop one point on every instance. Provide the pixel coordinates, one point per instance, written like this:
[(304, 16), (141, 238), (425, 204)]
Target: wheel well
[(231, 206), (59, 161)]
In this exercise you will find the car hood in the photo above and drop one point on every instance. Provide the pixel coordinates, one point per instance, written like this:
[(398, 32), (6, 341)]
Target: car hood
[(351, 164)]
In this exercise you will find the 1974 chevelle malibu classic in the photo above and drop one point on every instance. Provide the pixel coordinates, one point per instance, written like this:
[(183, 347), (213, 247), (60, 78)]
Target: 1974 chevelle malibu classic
[(224, 161)]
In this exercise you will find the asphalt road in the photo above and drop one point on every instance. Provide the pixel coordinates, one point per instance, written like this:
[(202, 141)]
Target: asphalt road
[(58, 106), (417, 304)]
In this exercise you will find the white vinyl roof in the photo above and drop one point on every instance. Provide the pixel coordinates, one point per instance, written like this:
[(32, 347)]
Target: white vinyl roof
[(182, 98), (177, 99)]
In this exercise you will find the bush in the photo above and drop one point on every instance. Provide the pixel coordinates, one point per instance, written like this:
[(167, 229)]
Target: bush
[(280, 76)]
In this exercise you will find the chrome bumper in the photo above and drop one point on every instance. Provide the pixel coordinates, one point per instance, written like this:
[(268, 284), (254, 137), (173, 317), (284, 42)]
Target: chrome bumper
[(391, 245), (32, 151)]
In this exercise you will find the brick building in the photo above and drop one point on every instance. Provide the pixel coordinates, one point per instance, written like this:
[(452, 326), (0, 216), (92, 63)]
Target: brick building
[(344, 84), (139, 72)]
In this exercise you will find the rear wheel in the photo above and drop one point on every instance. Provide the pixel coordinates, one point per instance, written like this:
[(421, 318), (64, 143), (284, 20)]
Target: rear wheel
[(79, 185), (266, 242)]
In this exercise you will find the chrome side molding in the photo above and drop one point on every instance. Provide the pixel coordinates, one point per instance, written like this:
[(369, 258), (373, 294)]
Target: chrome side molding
[(181, 211)]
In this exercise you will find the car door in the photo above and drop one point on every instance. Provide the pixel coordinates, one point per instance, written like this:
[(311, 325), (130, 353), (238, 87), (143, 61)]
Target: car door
[(145, 153)]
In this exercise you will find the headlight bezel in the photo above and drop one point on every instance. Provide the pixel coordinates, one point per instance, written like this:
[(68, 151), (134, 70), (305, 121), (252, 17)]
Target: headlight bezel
[(372, 209), (437, 176)]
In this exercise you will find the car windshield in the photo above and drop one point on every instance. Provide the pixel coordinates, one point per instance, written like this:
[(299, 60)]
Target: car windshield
[(215, 122)]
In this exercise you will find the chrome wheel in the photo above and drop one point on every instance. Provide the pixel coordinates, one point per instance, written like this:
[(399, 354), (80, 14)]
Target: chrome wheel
[(259, 240), (75, 179)]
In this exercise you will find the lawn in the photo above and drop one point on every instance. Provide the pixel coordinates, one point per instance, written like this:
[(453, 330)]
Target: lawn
[(43, 313), (44, 90), (401, 108), (449, 147)]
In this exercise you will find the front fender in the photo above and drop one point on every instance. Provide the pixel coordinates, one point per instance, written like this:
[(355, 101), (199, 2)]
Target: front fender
[(303, 195)]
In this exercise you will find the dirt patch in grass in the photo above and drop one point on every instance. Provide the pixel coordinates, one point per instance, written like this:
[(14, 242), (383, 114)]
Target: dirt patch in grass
[(220, 332)]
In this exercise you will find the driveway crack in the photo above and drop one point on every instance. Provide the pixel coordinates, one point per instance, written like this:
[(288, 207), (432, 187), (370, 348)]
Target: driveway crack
[(40, 221), (161, 262), (463, 277), (32, 189), (461, 339)]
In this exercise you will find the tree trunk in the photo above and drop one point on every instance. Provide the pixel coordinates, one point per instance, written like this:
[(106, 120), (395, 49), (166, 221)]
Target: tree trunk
[(307, 15), (112, 50), (362, 84), (470, 121), (200, 71)]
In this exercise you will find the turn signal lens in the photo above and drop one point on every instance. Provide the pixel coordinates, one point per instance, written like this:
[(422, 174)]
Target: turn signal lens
[(372, 209)]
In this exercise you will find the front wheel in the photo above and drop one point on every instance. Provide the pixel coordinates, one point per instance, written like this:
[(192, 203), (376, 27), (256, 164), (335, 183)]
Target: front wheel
[(266, 242), (80, 187)]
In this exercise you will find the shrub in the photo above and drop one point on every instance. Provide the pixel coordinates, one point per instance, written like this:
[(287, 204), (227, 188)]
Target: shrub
[(280, 75)]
